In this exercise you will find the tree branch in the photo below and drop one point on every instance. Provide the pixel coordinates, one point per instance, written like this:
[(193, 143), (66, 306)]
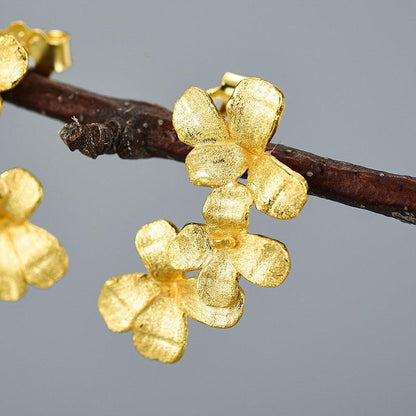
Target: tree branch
[(133, 129)]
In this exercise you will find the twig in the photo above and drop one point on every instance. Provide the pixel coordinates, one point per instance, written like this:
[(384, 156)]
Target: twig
[(102, 125)]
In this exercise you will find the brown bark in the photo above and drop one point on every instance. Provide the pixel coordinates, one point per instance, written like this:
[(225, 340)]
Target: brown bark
[(133, 129)]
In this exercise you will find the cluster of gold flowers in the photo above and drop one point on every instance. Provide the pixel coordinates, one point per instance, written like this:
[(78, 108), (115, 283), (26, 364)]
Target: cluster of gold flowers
[(155, 305), (28, 254)]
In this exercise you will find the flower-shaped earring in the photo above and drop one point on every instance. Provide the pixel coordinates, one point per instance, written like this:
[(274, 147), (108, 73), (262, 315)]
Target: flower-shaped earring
[(28, 254), (224, 250), (156, 305), (224, 151)]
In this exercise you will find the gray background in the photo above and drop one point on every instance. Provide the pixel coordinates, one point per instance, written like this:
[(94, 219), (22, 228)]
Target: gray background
[(338, 338)]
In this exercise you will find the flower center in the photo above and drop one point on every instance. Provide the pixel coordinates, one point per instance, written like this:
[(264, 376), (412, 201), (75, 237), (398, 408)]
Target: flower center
[(225, 242)]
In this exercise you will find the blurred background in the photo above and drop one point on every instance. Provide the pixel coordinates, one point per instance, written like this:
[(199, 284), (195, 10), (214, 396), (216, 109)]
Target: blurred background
[(338, 337)]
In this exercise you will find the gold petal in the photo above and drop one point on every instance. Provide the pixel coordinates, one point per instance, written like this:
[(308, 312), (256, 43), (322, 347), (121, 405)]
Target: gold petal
[(152, 242), (278, 190), (123, 297), (12, 282), (254, 112), (43, 259), (196, 119), (227, 209), (4, 192), (25, 194), (218, 282), (14, 62), (161, 331), (219, 317), (190, 248), (216, 165), (261, 260)]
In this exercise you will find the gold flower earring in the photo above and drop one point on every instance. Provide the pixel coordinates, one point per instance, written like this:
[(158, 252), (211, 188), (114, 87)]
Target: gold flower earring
[(28, 254), (154, 306), (222, 153)]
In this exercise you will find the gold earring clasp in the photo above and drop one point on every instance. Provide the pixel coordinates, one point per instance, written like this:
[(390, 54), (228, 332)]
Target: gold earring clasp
[(226, 88), (50, 50)]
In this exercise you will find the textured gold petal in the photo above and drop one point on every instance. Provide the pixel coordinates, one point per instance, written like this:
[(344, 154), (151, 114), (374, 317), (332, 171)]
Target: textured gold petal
[(254, 112), (43, 259), (227, 209), (216, 165), (4, 192), (161, 331), (219, 317), (123, 297), (261, 260), (25, 194), (12, 282), (218, 282), (152, 242), (190, 248), (196, 119), (14, 62), (278, 190)]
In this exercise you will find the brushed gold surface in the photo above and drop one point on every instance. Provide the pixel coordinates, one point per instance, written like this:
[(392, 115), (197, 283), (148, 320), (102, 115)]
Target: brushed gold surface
[(161, 330), (155, 306), (226, 210), (227, 142), (190, 303), (254, 112), (14, 62), (224, 151), (28, 254), (216, 165), (123, 297), (278, 191), (224, 250), (261, 260), (202, 124), (189, 250), (217, 283)]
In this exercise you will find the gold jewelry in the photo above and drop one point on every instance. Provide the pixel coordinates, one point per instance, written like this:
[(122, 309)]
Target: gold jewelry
[(224, 151), (50, 51), (28, 254), (155, 305), (14, 62)]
